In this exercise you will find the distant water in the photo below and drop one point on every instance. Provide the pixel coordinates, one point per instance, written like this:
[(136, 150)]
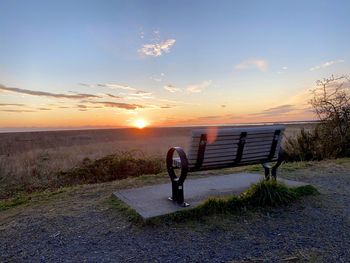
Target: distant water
[(37, 129)]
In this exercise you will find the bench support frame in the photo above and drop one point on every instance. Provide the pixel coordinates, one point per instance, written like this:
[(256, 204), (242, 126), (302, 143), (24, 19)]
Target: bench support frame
[(271, 171), (177, 183)]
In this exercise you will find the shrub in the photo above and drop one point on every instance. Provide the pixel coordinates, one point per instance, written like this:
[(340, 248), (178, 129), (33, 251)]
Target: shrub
[(111, 167), (331, 137)]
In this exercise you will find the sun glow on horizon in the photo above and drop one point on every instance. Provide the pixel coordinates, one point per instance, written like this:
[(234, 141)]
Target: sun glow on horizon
[(140, 123)]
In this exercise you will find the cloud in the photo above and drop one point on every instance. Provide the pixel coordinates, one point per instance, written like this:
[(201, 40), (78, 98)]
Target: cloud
[(48, 94), (113, 96), (172, 88), (157, 49), (115, 86), (327, 64), (120, 105), (18, 110), (197, 88), (157, 78), (86, 85), (168, 106), (140, 95), (11, 104), (260, 64), (284, 68), (45, 109), (143, 93), (282, 109), (223, 106)]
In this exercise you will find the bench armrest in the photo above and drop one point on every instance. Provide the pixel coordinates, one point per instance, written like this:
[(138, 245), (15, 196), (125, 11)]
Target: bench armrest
[(184, 164)]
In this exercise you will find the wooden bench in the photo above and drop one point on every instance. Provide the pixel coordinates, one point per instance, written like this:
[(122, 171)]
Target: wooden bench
[(215, 148)]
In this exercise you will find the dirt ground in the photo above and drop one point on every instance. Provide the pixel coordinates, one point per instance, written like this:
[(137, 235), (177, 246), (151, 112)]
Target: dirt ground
[(83, 224)]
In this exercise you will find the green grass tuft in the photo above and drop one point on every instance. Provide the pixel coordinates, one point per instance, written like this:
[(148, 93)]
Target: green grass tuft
[(25, 198), (304, 190), (268, 193), (13, 202), (120, 206)]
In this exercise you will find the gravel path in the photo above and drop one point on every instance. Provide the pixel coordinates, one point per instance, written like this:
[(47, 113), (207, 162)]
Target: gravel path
[(80, 225)]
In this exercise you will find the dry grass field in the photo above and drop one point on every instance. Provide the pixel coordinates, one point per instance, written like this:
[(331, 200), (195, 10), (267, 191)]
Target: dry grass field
[(33, 158)]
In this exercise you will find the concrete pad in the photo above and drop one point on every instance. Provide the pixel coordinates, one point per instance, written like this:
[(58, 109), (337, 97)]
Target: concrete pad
[(152, 201)]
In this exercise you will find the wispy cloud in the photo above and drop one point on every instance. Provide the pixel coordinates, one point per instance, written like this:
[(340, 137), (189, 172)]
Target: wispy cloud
[(172, 88), (167, 106), (86, 85), (282, 70), (115, 86), (113, 96), (11, 104), (120, 105), (48, 94), (157, 78), (157, 49), (18, 111), (140, 95), (44, 109), (260, 64), (274, 111), (326, 64), (197, 88)]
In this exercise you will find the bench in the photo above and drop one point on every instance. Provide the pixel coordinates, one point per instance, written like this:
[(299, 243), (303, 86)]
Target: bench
[(215, 148)]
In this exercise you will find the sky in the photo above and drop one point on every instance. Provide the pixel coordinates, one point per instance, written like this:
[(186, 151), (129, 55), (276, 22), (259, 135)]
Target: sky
[(70, 64)]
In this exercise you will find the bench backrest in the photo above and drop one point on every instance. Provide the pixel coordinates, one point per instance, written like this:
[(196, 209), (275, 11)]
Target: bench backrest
[(224, 147)]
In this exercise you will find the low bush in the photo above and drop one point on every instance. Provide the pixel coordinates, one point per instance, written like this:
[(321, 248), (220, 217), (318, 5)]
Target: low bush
[(111, 167), (318, 144)]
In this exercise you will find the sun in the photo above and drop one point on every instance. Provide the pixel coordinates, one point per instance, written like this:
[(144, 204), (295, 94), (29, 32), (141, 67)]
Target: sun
[(140, 123)]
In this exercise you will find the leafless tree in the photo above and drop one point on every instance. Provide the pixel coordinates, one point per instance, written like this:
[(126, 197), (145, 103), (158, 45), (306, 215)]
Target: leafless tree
[(331, 103)]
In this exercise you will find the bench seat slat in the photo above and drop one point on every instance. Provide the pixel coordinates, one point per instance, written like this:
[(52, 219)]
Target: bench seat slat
[(221, 139), (228, 131), (236, 134), (224, 147), (229, 162), (209, 147), (231, 154), (235, 141), (216, 147)]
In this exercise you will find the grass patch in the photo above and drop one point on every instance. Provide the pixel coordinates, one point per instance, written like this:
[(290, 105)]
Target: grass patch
[(260, 195), (120, 206), (23, 198), (13, 202), (112, 167)]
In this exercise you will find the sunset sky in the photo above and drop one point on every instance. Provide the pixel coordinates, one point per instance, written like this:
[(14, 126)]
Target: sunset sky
[(168, 63)]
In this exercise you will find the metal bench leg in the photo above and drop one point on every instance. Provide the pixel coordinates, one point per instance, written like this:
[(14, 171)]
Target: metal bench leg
[(278, 163), (267, 170), (177, 183)]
